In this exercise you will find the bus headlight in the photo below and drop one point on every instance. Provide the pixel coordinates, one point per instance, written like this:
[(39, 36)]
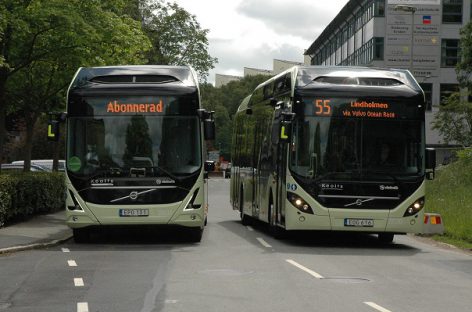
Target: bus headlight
[(415, 207), (299, 203)]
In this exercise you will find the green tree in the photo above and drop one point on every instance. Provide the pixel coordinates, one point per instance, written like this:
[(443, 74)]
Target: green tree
[(454, 119), (43, 44), (177, 37), (225, 102), (464, 67)]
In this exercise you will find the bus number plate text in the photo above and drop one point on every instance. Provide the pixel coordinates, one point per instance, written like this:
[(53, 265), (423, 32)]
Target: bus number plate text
[(359, 222), (134, 212)]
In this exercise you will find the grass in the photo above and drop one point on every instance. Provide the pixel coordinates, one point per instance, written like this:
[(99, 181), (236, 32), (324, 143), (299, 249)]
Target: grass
[(450, 194)]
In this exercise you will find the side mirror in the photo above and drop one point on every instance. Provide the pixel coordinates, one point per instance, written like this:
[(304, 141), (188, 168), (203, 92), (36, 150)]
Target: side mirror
[(209, 165), (54, 122), (285, 131), (53, 130), (286, 127), (430, 163), (209, 129)]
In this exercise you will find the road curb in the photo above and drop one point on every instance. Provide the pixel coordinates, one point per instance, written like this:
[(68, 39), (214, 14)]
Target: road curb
[(35, 245)]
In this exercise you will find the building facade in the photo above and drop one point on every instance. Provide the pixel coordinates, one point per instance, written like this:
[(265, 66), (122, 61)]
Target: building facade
[(221, 80), (419, 35)]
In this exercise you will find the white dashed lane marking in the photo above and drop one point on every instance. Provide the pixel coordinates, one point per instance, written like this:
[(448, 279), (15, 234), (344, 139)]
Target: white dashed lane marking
[(82, 307), (376, 306), (65, 250), (263, 242), (78, 282), (307, 270), (71, 263)]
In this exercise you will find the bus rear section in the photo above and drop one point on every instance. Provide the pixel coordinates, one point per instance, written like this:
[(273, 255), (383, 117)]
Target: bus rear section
[(135, 149)]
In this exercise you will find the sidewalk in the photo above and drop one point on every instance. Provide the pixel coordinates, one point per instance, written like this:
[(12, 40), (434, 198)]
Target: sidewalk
[(39, 231)]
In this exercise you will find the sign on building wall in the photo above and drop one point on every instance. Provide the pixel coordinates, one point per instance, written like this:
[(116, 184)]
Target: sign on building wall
[(413, 37)]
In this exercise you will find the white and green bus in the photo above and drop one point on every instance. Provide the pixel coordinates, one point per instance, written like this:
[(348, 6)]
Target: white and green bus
[(333, 148), (135, 149)]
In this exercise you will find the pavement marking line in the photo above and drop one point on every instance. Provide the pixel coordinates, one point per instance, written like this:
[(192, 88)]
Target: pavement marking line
[(307, 270), (250, 228), (65, 250), (72, 263), (78, 282), (263, 242), (82, 307), (376, 306)]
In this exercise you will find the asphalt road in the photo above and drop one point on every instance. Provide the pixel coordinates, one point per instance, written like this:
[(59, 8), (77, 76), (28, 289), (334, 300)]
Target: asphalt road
[(236, 268)]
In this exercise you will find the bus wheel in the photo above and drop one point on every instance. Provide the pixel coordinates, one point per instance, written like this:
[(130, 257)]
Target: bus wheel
[(195, 234), (385, 238), (81, 235)]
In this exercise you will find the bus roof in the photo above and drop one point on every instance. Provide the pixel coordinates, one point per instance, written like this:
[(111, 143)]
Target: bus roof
[(306, 75), (135, 74)]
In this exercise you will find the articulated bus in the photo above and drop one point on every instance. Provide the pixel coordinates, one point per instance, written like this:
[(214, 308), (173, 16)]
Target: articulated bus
[(135, 149), (333, 148)]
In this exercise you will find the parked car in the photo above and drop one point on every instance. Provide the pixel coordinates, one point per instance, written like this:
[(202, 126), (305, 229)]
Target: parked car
[(45, 163), (19, 168)]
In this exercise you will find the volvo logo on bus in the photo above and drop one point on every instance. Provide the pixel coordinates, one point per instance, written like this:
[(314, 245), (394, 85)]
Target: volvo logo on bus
[(133, 195), (388, 187)]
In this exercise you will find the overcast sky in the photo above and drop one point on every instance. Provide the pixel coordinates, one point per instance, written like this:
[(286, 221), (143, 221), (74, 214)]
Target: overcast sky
[(251, 33)]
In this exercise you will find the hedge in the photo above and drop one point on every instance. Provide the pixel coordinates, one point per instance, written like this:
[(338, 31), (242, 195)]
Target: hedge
[(26, 194)]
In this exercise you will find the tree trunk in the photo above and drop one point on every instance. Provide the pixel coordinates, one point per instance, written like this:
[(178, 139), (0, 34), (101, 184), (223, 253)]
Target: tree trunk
[(30, 122), (55, 158), (3, 116)]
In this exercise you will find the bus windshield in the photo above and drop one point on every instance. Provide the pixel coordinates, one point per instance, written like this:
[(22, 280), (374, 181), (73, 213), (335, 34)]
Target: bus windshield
[(134, 146), (349, 139)]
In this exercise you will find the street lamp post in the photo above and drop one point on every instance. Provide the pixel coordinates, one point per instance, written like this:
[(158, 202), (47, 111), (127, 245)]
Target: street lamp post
[(412, 10)]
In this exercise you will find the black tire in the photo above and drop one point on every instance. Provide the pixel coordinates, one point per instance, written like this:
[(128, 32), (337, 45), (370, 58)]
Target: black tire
[(81, 235), (386, 238), (195, 234)]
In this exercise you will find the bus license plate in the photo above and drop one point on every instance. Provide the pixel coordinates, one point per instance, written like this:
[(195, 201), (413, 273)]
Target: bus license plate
[(359, 222), (134, 212)]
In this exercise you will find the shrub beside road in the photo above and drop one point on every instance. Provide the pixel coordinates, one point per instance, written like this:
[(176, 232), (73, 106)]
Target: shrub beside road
[(450, 194)]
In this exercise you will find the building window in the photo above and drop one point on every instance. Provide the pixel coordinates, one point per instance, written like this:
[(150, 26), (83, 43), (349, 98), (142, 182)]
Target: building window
[(378, 48), (449, 52), (446, 89), (452, 11), (379, 8), (428, 94)]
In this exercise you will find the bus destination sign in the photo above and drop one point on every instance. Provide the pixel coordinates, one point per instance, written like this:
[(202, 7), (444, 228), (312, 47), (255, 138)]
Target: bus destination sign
[(116, 107), (355, 108)]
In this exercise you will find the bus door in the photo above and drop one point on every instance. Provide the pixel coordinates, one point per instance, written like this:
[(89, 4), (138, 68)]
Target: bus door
[(258, 136), (280, 157)]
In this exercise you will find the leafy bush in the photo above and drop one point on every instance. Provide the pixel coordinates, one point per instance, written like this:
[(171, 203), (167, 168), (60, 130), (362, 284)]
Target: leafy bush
[(26, 194), (449, 194)]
